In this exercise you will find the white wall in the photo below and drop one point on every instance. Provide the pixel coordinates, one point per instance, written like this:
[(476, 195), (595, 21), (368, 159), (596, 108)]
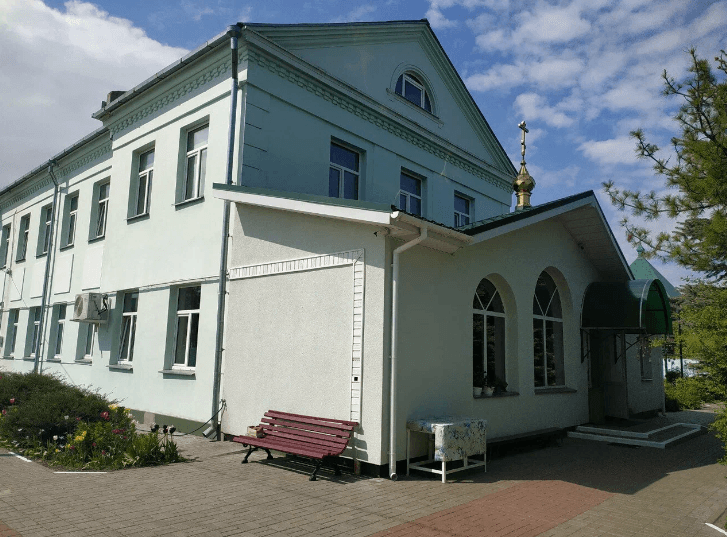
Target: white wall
[(289, 335), (435, 331)]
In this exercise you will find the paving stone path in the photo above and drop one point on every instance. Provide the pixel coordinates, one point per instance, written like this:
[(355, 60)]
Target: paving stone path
[(578, 489)]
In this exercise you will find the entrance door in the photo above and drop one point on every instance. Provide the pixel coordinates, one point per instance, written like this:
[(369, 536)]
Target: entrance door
[(596, 394)]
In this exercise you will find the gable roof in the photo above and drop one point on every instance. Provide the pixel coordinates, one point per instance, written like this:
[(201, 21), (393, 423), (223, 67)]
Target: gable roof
[(580, 215), (296, 36)]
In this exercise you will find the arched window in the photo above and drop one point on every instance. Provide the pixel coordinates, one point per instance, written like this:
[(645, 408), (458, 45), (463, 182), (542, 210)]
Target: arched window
[(411, 87), (547, 334), (488, 335)]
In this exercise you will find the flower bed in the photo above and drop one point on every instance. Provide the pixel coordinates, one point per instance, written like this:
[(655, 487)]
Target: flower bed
[(42, 417)]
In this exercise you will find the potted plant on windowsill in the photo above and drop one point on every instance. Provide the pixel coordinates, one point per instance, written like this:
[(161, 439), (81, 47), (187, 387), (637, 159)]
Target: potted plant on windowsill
[(489, 388), (478, 381), (500, 385)]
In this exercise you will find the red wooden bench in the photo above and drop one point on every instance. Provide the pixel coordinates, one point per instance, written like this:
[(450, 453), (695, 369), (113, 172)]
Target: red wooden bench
[(322, 439)]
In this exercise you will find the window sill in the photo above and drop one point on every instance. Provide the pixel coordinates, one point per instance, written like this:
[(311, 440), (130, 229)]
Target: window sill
[(66, 247), (11, 357), (497, 395), (647, 380), (84, 361), (38, 256), (555, 389), (29, 358), (19, 261), (96, 239), (137, 217), (54, 360), (406, 101), (178, 372), (191, 201), (121, 367)]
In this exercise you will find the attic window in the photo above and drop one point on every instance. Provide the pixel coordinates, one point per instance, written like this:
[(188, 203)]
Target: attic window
[(412, 89)]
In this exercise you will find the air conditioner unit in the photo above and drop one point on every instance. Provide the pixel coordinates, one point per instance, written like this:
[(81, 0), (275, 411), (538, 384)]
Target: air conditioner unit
[(91, 308)]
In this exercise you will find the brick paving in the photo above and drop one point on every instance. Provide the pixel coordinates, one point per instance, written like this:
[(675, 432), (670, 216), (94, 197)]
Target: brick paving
[(579, 489)]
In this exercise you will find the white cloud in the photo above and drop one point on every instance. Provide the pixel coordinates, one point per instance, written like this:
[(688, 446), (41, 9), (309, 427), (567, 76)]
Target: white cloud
[(615, 151), (360, 13), (439, 21), (533, 106), (196, 11), (553, 24), (56, 66), (498, 77), (555, 72)]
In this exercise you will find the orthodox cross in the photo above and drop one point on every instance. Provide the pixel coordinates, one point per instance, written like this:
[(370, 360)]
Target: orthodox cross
[(522, 143)]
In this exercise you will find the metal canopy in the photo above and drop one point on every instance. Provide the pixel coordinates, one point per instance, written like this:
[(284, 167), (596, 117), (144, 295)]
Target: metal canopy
[(636, 306)]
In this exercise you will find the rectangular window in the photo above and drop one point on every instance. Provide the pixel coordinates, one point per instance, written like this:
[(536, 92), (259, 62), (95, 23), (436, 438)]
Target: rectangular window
[(71, 216), (12, 332), (90, 342), (102, 209), (128, 326), (44, 232), (33, 331), (23, 235), (185, 351), (410, 194), (196, 163), (5, 245), (461, 211), (143, 186), (343, 174), (60, 325)]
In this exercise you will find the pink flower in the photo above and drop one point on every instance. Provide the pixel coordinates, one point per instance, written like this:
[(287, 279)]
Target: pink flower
[(94, 444), (4, 412), (78, 419), (103, 452), (126, 437), (105, 415), (12, 400), (73, 447)]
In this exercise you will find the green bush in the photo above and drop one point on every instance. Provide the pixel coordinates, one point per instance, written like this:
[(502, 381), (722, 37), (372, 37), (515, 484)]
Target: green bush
[(42, 417), (686, 393), (719, 426)]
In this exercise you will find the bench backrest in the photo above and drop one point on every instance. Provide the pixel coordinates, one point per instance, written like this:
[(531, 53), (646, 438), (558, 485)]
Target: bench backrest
[(326, 434)]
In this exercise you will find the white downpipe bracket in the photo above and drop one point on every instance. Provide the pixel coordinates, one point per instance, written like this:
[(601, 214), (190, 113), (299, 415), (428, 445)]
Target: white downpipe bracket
[(394, 309)]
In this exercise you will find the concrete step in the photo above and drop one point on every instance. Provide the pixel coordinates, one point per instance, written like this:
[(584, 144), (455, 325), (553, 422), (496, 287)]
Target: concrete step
[(656, 438)]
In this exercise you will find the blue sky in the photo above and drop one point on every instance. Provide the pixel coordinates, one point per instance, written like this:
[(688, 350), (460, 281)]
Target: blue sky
[(582, 73)]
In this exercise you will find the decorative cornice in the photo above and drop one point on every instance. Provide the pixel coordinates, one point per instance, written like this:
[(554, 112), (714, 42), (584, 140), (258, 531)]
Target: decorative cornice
[(296, 265), (375, 117), (169, 97), (64, 171)]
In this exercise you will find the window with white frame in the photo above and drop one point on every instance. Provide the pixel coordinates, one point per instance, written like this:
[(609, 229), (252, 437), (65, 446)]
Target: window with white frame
[(410, 194), (645, 357), (142, 190), (462, 208), (44, 232), (90, 340), (128, 326), (187, 328), (488, 336), (33, 331), (23, 236), (12, 333), (411, 87), (5, 245), (547, 334), (71, 217), (102, 209), (60, 315), (343, 173), (196, 163)]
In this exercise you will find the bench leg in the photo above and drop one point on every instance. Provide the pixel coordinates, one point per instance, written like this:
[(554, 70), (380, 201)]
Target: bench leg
[(268, 452), (336, 469), (244, 461), (318, 467)]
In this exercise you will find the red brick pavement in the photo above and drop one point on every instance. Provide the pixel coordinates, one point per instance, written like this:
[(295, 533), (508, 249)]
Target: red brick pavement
[(6, 531), (523, 510)]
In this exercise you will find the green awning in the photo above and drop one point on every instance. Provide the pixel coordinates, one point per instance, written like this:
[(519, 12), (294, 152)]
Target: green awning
[(636, 306)]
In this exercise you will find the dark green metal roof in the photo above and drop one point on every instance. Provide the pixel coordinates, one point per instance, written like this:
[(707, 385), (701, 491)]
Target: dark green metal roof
[(633, 306)]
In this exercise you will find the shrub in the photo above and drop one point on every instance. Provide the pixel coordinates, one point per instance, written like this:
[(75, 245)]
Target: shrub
[(686, 393), (40, 416), (719, 426)]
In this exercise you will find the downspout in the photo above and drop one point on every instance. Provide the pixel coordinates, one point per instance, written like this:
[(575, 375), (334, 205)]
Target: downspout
[(394, 311), (234, 33), (37, 365)]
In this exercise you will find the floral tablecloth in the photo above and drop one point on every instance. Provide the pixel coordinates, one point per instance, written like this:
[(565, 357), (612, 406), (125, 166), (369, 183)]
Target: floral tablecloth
[(454, 437)]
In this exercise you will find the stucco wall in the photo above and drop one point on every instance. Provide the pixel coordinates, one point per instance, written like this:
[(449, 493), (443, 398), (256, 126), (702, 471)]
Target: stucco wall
[(289, 339), (435, 331)]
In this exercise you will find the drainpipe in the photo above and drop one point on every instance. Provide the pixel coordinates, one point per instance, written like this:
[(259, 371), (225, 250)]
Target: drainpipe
[(234, 33), (394, 311), (37, 364)]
